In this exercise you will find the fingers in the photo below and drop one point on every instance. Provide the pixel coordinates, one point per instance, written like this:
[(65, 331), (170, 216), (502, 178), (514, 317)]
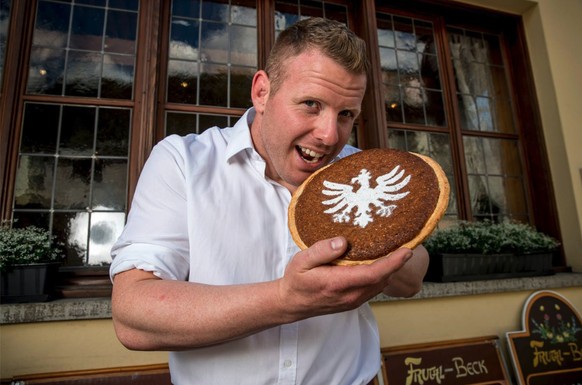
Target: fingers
[(323, 252), (397, 258)]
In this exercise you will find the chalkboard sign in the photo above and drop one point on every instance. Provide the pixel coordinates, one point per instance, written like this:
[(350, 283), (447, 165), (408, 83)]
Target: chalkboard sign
[(549, 349), (458, 362)]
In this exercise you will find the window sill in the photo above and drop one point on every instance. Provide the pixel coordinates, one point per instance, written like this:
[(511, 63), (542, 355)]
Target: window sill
[(100, 308)]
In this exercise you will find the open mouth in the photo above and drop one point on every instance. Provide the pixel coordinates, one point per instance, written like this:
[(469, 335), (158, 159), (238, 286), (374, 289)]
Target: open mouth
[(308, 155)]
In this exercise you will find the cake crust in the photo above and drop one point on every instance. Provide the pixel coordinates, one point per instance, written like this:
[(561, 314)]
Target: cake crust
[(379, 200)]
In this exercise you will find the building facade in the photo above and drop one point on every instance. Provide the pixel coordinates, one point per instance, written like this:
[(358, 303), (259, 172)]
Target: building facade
[(487, 88)]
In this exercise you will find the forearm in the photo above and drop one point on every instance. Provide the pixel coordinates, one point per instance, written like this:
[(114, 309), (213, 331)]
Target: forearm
[(154, 314), (407, 281)]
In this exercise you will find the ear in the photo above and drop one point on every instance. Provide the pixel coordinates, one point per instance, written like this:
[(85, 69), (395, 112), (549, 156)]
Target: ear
[(260, 90)]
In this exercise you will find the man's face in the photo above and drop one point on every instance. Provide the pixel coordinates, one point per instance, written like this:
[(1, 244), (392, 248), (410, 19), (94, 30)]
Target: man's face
[(306, 123)]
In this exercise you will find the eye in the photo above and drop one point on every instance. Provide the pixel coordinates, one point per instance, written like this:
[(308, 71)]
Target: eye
[(346, 114), (311, 103)]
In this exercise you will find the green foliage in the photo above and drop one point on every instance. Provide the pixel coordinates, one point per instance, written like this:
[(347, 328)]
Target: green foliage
[(26, 246), (489, 238)]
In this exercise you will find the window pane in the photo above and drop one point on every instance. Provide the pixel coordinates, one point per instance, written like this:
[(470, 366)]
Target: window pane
[(187, 123), (482, 90), (215, 10), (214, 42), (243, 43), (4, 21), (40, 128), (335, 12), (87, 28), (46, 72), (88, 175), (130, 5), (180, 123), (34, 182), (182, 81), (186, 8), (410, 71), (184, 39), (72, 229), (77, 131), (73, 183), (113, 132), (121, 32), (241, 79), (212, 49), (105, 229), (243, 12), (117, 77), (109, 184), (288, 12), (83, 74), (52, 24), (214, 85), (96, 46), (436, 146), (496, 184)]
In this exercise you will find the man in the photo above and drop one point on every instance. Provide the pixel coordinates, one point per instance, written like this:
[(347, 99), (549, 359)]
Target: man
[(206, 267)]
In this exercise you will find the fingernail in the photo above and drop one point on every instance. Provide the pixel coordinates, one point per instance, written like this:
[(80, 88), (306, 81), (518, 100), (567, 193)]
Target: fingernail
[(336, 243)]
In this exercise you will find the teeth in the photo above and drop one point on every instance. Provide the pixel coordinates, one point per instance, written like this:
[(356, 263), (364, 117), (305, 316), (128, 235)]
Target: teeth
[(311, 153)]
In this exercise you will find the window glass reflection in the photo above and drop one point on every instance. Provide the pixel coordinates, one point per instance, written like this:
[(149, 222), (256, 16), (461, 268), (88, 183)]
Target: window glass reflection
[(52, 24), (410, 71), (188, 123), (207, 40), (186, 8), (87, 28), (72, 228), (34, 182), (117, 76), (72, 183), (77, 131), (215, 10), (109, 184), (495, 178), (130, 5), (436, 146), (120, 35), (88, 175), (482, 90), (113, 132), (40, 128), (89, 44), (46, 71), (105, 229), (288, 12), (4, 21)]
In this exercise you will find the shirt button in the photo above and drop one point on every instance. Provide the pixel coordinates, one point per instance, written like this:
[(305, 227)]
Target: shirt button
[(287, 363)]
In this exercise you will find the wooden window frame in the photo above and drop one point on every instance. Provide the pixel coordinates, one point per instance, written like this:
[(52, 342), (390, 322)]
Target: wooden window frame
[(148, 102)]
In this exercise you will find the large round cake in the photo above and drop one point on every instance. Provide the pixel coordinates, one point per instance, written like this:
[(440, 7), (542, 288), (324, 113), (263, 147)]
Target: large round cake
[(379, 200)]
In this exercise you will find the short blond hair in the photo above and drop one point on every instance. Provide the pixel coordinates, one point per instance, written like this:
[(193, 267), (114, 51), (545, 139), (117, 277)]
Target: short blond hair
[(330, 37)]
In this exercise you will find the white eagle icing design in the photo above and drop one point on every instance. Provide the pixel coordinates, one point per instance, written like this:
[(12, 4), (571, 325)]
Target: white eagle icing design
[(345, 199)]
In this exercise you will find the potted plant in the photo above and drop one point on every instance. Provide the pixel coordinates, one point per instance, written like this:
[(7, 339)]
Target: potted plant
[(487, 250), (29, 260)]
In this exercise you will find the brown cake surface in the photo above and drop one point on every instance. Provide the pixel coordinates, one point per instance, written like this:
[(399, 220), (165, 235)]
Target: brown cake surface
[(379, 200)]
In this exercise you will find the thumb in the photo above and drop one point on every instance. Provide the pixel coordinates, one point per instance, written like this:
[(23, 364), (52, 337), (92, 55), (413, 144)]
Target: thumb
[(323, 252)]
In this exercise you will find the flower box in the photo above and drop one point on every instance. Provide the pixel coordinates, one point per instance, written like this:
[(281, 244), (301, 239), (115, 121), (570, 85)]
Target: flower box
[(29, 283), (446, 267)]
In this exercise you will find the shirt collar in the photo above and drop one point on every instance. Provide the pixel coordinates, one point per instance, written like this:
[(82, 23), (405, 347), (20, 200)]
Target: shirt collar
[(240, 139)]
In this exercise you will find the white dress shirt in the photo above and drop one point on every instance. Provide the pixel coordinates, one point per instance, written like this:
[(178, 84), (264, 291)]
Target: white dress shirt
[(204, 211)]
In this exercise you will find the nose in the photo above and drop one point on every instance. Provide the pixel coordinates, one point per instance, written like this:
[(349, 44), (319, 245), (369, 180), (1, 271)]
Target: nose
[(327, 130)]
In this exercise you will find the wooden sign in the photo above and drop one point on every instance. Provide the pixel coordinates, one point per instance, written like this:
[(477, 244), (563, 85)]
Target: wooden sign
[(459, 362), (549, 349)]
